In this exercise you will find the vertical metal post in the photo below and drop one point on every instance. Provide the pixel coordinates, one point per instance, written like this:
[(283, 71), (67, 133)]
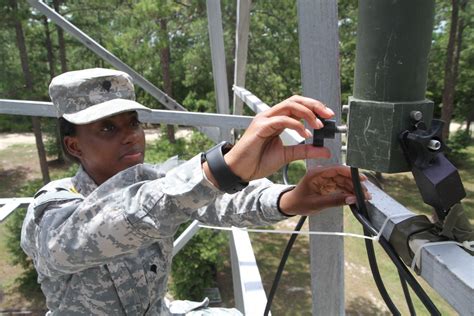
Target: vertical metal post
[(319, 40), (391, 71), (393, 44), (219, 71), (241, 49)]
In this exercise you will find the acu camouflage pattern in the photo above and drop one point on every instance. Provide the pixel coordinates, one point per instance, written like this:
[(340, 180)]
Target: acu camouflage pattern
[(107, 249), (77, 90)]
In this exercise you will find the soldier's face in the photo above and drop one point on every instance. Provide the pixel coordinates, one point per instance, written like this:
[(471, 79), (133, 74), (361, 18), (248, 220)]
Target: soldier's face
[(108, 146)]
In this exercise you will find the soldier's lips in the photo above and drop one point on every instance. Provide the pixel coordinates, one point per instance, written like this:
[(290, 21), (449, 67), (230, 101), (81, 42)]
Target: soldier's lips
[(133, 156)]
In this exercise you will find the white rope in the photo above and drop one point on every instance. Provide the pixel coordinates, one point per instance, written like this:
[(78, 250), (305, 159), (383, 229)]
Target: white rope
[(276, 231), (415, 262), (379, 234)]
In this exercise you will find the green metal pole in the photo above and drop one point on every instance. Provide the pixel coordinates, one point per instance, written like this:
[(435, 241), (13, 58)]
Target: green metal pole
[(393, 43)]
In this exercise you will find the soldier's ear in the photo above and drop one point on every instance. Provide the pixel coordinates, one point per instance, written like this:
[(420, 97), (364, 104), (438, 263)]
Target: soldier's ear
[(72, 146)]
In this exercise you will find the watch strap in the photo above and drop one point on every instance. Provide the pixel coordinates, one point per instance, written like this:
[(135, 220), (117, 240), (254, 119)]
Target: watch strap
[(227, 181)]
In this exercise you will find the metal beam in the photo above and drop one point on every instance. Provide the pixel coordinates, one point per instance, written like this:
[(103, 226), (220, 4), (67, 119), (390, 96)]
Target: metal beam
[(219, 69), (319, 50), (448, 269), (46, 109), (31, 108), (216, 38), (249, 294), (241, 49), (11, 204), (185, 236)]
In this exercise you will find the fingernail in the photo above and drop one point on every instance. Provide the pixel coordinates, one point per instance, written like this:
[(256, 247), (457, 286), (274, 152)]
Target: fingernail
[(319, 124), (351, 200), (308, 133), (330, 111)]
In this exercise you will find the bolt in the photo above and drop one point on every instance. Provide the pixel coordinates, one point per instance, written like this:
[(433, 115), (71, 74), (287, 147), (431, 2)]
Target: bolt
[(416, 115), (341, 129), (434, 144)]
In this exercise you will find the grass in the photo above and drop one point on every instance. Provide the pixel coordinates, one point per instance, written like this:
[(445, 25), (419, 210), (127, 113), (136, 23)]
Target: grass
[(19, 164), (13, 175)]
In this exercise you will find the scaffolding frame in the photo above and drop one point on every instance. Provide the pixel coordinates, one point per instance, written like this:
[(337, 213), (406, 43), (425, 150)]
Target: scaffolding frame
[(442, 264)]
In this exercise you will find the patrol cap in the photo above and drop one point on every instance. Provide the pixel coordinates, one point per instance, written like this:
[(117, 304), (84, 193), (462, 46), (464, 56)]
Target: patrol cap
[(89, 95)]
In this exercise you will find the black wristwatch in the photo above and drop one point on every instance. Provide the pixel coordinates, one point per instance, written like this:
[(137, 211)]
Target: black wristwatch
[(227, 181)]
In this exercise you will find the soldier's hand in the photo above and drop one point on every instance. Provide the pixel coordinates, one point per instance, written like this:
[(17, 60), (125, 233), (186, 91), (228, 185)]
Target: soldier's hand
[(260, 152), (321, 188)]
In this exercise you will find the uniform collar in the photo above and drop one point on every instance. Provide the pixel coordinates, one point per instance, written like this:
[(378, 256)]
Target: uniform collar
[(83, 182)]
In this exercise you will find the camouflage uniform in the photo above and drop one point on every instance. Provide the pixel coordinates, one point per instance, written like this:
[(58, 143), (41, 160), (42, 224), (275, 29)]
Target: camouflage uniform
[(107, 250)]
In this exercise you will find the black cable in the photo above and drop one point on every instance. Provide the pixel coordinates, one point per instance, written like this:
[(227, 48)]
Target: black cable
[(406, 292), (402, 269), (361, 214), (281, 266), (369, 245), (286, 252)]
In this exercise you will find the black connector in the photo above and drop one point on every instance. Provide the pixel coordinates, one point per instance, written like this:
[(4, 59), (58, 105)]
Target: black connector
[(438, 180), (328, 131)]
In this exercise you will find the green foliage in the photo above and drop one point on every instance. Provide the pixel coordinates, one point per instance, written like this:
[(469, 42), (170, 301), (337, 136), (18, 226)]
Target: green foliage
[(296, 171), (194, 267), (458, 143), (27, 281), (162, 149), (15, 124), (465, 84), (347, 45)]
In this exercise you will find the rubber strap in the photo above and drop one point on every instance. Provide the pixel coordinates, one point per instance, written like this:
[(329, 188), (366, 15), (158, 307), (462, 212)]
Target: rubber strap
[(227, 181)]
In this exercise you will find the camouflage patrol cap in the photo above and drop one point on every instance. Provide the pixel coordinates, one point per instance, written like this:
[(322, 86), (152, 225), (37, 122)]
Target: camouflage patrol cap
[(89, 95)]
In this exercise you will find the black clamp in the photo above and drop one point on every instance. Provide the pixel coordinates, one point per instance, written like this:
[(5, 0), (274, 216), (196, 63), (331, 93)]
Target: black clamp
[(328, 131), (436, 177)]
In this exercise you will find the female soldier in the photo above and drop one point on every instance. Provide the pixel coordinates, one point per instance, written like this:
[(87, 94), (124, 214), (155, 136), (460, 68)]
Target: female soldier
[(102, 240)]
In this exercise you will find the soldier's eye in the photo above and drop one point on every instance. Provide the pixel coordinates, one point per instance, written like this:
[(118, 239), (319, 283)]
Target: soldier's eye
[(135, 123), (108, 128)]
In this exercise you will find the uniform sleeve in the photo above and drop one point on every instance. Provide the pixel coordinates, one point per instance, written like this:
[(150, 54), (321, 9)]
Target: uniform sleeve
[(133, 209), (256, 205), (129, 211)]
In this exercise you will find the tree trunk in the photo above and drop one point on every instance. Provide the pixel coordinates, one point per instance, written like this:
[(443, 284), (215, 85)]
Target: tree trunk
[(469, 120), (51, 64), (165, 55), (40, 148), (49, 47), (452, 64), (20, 39), (61, 43)]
